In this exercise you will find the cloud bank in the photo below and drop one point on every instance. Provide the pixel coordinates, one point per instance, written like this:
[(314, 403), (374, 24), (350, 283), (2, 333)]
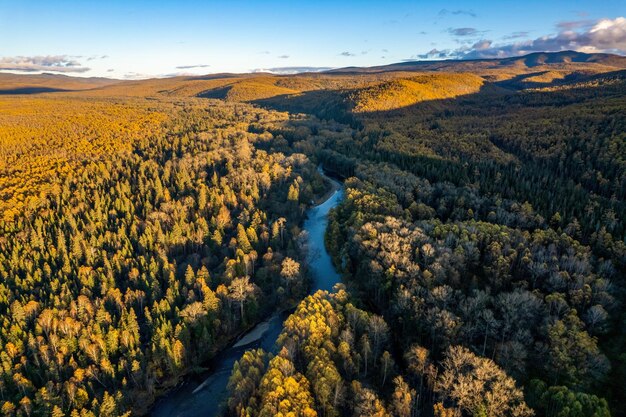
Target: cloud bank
[(517, 35), (463, 31), (193, 66), (291, 70), (49, 63), (604, 35)]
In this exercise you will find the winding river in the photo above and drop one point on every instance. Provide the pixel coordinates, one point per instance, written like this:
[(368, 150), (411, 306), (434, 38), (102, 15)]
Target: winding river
[(203, 395)]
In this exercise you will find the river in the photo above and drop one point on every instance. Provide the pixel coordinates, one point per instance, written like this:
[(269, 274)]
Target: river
[(202, 395)]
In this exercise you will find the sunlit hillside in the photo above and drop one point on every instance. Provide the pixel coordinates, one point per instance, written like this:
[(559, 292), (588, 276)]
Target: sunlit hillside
[(249, 89), (100, 117), (43, 139), (567, 60), (161, 240), (404, 92), (396, 84), (32, 84)]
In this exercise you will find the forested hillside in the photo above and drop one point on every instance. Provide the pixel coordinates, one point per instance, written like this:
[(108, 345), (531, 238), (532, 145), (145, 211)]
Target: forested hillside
[(486, 231), (42, 140), (145, 250), (146, 225)]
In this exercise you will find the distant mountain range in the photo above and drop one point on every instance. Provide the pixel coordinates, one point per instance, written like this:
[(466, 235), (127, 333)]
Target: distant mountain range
[(530, 61), (47, 83), (392, 85)]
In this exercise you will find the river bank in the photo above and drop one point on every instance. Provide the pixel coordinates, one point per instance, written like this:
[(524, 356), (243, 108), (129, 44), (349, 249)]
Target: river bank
[(333, 186), (202, 395)]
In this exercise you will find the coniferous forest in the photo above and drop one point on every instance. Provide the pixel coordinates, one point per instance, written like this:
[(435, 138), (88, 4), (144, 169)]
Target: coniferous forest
[(146, 226)]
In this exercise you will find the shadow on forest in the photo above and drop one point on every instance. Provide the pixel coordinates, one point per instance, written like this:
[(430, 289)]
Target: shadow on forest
[(197, 254), (437, 122), (449, 159), (335, 104), (325, 104), (209, 77), (32, 90), (521, 81), (219, 93)]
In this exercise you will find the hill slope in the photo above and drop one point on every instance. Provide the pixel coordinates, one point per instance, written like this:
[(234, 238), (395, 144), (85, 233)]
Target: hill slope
[(530, 61), (530, 71), (43, 83), (404, 92)]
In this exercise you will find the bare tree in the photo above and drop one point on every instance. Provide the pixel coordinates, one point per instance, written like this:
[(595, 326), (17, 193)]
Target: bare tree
[(239, 290), (477, 385)]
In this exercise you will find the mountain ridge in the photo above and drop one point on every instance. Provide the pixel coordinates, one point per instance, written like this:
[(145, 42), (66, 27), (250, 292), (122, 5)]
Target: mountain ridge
[(393, 83), (550, 58)]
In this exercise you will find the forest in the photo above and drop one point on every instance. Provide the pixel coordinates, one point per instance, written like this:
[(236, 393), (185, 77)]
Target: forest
[(129, 268), (145, 226), (483, 240)]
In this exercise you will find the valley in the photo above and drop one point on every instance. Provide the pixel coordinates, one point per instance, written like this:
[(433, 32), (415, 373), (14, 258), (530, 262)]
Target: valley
[(206, 398), (172, 246)]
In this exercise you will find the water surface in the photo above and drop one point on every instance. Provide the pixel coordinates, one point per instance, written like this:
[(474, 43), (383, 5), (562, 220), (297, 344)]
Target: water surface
[(322, 270), (202, 395)]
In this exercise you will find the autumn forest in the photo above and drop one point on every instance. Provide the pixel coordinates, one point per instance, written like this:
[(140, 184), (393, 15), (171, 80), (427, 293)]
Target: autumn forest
[(146, 226)]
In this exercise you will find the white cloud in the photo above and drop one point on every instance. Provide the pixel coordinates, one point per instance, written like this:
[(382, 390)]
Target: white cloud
[(609, 34), (517, 35), (291, 70), (574, 24), (138, 76), (463, 31), (432, 54), (49, 63), (193, 66), (604, 35)]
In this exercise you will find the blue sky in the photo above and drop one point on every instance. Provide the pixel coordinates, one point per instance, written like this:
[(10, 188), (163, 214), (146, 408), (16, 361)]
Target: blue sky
[(137, 39)]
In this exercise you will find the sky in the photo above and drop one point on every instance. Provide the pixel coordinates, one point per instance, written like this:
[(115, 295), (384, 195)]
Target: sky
[(141, 39)]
